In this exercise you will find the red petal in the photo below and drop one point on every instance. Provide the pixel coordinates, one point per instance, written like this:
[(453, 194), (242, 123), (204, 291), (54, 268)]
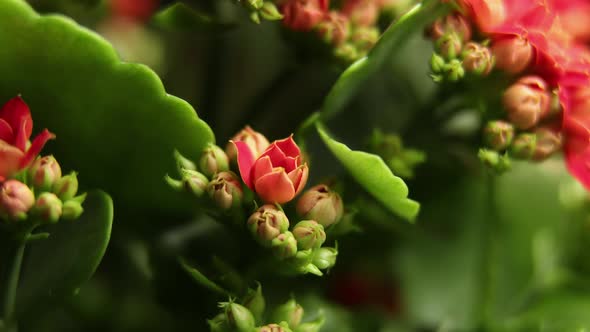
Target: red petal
[(21, 138), (276, 155), (36, 147), (6, 133), (262, 166), (288, 146), (15, 112), (245, 162), (275, 187), (10, 158), (299, 178)]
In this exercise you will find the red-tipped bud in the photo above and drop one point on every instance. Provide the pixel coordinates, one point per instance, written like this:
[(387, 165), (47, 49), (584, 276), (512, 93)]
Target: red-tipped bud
[(225, 190), (309, 234), (334, 29), (527, 102), (477, 59), (512, 54), (303, 15), (16, 199), (524, 146), (282, 327), (290, 312), (451, 24), (66, 187), (365, 37), (44, 172), (361, 12), (255, 141), (267, 223), (498, 135), (321, 204), (48, 207), (284, 245), (549, 141), (449, 46)]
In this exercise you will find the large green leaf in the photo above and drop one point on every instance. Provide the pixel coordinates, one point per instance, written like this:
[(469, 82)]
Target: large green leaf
[(371, 172), (355, 76), (114, 122), (56, 267)]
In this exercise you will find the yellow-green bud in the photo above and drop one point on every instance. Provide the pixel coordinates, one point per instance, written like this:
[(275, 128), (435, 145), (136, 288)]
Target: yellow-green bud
[(72, 210), (213, 160), (44, 172), (239, 317), (225, 190), (267, 223), (284, 245), (290, 312), (66, 187), (309, 234), (48, 207), (321, 204), (254, 301), (325, 258)]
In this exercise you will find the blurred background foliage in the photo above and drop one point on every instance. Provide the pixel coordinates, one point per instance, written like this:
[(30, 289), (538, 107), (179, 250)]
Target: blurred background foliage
[(503, 253)]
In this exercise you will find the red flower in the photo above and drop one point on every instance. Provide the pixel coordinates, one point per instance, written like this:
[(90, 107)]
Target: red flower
[(134, 9), (303, 15), (16, 126), (278, 174)]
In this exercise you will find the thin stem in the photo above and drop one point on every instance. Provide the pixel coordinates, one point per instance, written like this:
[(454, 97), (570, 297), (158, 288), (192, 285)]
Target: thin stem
[(9, 300), (488, 251)]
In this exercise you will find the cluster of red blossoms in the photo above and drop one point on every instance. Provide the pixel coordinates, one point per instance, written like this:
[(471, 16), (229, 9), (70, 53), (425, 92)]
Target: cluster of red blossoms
[(545, 42), (351, 29)]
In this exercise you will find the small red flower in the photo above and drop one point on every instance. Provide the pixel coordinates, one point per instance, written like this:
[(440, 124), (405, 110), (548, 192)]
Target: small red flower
[(134, 9), (16, 126), (278, 174)]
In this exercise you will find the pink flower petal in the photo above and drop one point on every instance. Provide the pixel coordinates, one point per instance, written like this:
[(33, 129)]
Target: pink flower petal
[(6, 133), (275, 187), (36, 147), (262, 166), (275, 153), (15, 112), (288, 146), (10, 158), (299, 177), (245, 162), (21, 138)]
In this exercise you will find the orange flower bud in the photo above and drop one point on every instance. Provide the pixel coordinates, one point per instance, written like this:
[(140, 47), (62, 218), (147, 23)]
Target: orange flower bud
[(512, 54), (527, 101)]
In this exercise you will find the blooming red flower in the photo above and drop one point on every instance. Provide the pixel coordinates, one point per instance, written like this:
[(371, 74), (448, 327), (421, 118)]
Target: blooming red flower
[(278, 174), (303, 15), (16, 126), (134, 9)]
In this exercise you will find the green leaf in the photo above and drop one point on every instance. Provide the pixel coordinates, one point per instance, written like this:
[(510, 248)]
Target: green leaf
[(201, 279), (371, 172), (114, 122), (180, 16), (56, 267), (354, 76)]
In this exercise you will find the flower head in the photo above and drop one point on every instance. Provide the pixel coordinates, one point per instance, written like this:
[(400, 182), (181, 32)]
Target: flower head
[(278, 174), (303, 15), (16, 127)]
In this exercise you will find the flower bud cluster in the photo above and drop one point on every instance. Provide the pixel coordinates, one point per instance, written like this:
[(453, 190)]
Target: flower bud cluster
[(529, 131), (262, 10), (248, 316), (41, 195)]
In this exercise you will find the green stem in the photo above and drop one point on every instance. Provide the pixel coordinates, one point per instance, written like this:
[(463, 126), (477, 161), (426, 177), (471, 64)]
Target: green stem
[(488, 252), (9, 300)]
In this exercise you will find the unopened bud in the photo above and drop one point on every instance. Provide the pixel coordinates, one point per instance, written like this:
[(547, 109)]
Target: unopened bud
[(513, 54), (498, 135), (66, 187), (254, 301), (255, 141), (44, 172), (239, 317), (449, 46), (254, 4), (267, 223), (213, 160), (477, 59), (437, 63), (16, 199), (527, 101), (194, 182), (523, 146), (219, 323), (347, 52), (321, 204), (48, 207), (225, 190), (451, 24), (313, 326), (283, 327), (284, 245), (290, 312), (325, 258), (495, 161), (548, 142), (334, 29), (270, 12), (454, 70), (365, 37), (183, 163), (72, 210), (309, 234)]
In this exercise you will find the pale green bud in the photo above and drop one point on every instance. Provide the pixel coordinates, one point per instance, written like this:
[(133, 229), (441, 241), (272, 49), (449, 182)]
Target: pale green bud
[(284, 245), (44, 172), (72, 210), (325, 258), (213, 160), (48, 207), (309, 234), (290, 312), (66, 187), (254, 301), (239, 317)]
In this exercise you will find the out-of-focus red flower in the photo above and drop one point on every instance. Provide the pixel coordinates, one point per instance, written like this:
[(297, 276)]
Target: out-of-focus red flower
[(278, 174), (134, 9), (334, 28), (303, 15), (573, 16), (16, 127), (361, 12)]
